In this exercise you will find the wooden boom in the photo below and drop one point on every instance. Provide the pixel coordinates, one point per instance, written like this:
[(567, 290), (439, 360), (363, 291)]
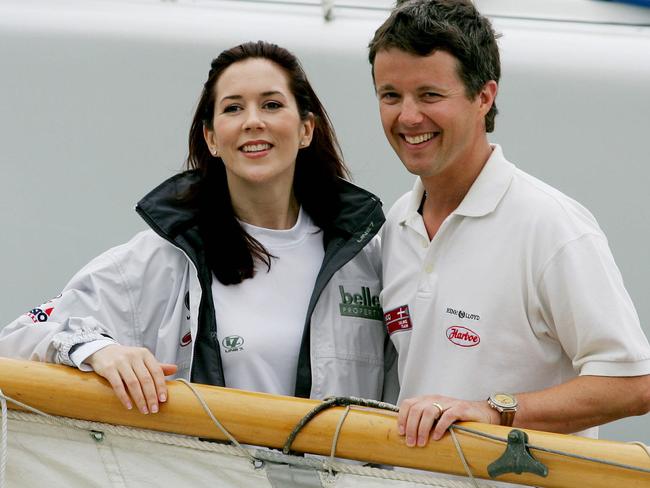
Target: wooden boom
[(367, 434)]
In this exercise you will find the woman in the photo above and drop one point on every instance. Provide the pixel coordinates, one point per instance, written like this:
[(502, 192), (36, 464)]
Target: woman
[(259, 272)]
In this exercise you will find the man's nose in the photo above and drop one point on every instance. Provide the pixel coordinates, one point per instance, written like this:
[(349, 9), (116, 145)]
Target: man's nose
[(410, 113)]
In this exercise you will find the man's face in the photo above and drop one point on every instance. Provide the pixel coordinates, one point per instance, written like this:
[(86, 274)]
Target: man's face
[(427, 118)]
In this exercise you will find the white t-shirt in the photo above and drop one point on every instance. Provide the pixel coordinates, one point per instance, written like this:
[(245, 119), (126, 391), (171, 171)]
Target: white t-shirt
[(260, 321), (517, 291)]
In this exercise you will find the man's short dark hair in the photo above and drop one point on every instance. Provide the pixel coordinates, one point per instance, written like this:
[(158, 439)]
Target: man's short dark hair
[(422, 27)]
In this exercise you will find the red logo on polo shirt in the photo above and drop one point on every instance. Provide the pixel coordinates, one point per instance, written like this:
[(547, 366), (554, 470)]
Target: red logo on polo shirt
[(462, 336), (186, 339), (398, 319)]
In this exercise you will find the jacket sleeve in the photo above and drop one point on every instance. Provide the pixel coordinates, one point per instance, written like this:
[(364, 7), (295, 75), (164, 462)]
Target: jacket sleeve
[(93, 305)]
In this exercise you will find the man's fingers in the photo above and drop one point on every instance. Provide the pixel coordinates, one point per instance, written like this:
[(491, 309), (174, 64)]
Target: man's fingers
[(429, 416), (412, 423), (445, 420), (403, 414)]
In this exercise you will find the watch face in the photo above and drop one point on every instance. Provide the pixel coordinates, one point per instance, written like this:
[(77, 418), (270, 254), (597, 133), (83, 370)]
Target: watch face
[(504, 400)]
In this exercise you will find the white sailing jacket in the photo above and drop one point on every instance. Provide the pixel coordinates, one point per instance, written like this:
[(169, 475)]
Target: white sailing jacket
[(154, 292)]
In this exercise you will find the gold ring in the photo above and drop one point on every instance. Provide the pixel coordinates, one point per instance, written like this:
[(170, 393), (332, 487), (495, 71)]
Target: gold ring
[(439, 407)]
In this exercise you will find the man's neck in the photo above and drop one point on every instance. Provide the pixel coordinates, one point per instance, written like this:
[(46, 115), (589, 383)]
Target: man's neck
[(445, 191)]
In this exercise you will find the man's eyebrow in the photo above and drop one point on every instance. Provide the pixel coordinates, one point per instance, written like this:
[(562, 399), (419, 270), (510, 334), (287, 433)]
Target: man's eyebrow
[(434, 88), (385, 87)]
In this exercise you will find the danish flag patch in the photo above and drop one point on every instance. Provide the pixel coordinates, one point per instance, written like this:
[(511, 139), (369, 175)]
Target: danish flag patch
[(398, 319)]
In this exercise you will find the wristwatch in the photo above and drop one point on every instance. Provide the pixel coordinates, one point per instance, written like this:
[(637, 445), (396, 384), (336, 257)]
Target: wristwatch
[(506, 405)]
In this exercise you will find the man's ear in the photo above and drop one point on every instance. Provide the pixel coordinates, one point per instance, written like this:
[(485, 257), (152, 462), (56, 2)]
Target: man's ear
[(487, 95)]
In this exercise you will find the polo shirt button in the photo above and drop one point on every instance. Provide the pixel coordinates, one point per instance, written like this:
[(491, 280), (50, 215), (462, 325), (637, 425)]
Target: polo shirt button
[(429, 268)]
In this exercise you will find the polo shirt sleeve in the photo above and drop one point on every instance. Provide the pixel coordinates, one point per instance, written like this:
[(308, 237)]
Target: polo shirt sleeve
[(588, 310)]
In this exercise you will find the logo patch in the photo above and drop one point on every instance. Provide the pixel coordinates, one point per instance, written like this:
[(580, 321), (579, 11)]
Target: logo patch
[(363, 305), (462, 336), (233, 343), (186, 339), (398, 319), (461, 314), (40, 315)]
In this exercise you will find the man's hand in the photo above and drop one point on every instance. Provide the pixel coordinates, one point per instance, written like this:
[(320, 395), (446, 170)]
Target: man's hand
[(417, 416), (134, 369)]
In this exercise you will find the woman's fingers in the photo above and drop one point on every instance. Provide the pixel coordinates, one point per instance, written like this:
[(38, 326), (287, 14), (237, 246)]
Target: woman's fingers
[(157, 376), (115, 380), (135, 375)]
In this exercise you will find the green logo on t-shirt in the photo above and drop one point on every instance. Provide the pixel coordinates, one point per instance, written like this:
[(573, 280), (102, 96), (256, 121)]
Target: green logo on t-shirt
[(363, 305), (233, 343)]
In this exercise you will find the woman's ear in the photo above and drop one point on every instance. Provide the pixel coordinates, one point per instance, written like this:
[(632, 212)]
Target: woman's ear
[(307, 130), (210, 140)]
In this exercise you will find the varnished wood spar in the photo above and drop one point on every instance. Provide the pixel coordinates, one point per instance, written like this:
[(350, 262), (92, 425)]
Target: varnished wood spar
[(367, 434)]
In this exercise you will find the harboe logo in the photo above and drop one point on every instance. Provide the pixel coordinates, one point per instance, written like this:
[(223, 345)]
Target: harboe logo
[(363, 305), (462, 336)]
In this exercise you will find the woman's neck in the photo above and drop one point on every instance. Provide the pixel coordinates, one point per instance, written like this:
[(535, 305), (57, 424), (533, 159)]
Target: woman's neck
[(269, 207)]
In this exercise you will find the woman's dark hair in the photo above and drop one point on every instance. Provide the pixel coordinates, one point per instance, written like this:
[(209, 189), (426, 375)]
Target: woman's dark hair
[(230, 250)]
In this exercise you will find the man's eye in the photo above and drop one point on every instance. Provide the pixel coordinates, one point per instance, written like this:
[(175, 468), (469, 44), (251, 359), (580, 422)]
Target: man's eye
[(431, 95), (389, 96)]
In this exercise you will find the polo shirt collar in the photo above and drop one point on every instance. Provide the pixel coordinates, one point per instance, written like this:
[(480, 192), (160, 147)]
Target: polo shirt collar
[(483, 196)]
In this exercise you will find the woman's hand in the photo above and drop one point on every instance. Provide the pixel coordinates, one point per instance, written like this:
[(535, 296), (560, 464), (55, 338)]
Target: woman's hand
[(134, 373), (418, 416)]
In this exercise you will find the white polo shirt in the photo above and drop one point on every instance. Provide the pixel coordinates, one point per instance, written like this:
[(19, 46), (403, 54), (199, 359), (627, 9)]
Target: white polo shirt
[(518, 291)]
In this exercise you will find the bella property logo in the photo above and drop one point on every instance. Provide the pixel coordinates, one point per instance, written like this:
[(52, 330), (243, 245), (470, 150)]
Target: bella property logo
[(363, 305), (462, 336)]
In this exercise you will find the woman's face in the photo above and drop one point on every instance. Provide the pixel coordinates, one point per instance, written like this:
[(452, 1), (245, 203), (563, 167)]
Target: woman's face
[(256, 128)]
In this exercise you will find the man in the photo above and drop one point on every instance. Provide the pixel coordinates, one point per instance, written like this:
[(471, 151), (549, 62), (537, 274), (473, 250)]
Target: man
[(500, 293)]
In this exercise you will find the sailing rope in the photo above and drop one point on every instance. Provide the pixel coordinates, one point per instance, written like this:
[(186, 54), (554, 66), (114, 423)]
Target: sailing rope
[(214, 419), (461, 455), (335, 439), (330, 402), (642, 446), (3, 441), (555, 451)]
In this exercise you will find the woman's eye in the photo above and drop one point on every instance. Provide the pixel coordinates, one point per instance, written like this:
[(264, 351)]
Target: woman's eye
[(231, 109), (272, 105)]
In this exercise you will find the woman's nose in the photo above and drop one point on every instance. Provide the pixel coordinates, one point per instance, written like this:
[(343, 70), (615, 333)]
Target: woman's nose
[(253, 119)]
